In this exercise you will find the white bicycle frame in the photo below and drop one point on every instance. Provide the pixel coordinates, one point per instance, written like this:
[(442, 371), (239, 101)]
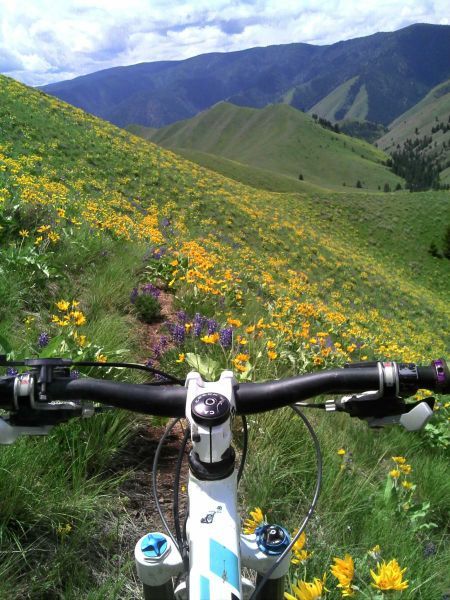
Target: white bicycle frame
[(217, 549)]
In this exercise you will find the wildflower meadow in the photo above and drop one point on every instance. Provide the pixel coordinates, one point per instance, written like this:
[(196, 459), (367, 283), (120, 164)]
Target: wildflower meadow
[(96, 227)]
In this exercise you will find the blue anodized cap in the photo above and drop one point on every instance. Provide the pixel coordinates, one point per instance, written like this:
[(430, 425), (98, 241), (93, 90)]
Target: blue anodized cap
[(272, 539), (154, 545)]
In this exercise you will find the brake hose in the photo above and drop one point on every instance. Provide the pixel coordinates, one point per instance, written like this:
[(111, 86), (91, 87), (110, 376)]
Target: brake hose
[(155, 480)]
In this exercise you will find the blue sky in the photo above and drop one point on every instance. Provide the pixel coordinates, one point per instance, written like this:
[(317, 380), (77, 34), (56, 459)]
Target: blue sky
[(42, 41)]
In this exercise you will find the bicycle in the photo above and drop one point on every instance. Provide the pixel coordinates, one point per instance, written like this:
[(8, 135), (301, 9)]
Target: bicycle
[(203, 559)]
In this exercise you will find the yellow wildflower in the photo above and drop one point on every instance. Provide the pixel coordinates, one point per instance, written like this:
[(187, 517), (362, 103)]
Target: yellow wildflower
[(400, 460), (78, 317), (181, 357), (270, 345), (407, 485), (305, 590), (63, 530), (62, 305), (250, 329), (234, 322), (299, 554), (406, 469), (210, 339), (344, 571), (272, 355), (395, 473), (101, 358), (255, 519), (53, 237), (341, 452), (24, 233), (389, 576)]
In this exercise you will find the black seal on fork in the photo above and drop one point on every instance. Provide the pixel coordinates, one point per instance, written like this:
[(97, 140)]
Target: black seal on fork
[(215, 470)]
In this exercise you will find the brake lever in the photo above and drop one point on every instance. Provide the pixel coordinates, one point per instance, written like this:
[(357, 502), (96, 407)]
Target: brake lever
[(413, 420), (379, 411)]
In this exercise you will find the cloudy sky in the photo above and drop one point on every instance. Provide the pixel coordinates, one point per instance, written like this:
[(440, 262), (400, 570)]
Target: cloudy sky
[(42, 41)]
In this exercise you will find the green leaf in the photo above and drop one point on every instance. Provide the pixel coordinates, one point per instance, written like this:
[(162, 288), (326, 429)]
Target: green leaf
[(5, 345), (52, 347), (207, 367), (389, 489)]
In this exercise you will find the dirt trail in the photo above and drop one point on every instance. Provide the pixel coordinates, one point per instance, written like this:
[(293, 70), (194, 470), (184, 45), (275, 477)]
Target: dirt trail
[(136, 511)]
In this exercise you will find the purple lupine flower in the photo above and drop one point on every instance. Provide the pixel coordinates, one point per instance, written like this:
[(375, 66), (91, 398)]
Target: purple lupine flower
[(160, 378), (197, 324), (328, 342), (74, 374), (157, 351), (150, 363), (151, 290), (158, 253), (12, 372), (178, 333), (134, 294), (160, 347), (429, 550), (226, 337), (165, 222), (212, 326), (43, 339), (182, 316)]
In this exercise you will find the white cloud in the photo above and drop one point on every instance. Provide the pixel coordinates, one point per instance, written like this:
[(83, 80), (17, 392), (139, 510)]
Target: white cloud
[(43, 41)]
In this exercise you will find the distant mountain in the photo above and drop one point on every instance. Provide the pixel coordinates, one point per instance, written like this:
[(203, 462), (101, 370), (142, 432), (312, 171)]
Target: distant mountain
[(280, 140), (373, 78), (428, 120)]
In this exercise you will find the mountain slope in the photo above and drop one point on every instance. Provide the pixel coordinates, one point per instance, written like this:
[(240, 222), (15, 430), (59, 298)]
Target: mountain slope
[(280, 140), (293, 282), (391, 73), (428, 118)]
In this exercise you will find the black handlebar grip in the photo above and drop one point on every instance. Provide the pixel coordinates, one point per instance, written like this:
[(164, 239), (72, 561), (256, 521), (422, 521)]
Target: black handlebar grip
[(164, 401), (7, 392)]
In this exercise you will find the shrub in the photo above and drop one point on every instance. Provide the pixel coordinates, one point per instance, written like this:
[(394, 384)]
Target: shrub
[(147, 307)]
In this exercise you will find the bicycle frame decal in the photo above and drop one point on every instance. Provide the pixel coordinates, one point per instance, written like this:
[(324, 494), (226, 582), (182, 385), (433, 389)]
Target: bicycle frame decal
[(224, 563), (204, 588)]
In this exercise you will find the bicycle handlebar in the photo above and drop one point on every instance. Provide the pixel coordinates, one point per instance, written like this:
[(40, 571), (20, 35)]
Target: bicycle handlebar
[(169, 401)]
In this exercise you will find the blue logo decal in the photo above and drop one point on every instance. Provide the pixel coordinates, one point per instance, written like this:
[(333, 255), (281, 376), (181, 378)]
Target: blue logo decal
[(224, 563)]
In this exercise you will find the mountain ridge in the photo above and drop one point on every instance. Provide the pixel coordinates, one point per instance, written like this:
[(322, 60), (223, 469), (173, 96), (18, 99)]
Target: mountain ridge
[(397, 69), (281, 140)]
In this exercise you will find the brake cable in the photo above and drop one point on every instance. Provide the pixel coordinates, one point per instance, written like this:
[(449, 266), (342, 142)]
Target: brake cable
[(311, 508)]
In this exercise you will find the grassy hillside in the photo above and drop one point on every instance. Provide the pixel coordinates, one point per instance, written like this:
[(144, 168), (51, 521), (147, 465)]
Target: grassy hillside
[(267, 284), (419, 122), (281, 140)]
